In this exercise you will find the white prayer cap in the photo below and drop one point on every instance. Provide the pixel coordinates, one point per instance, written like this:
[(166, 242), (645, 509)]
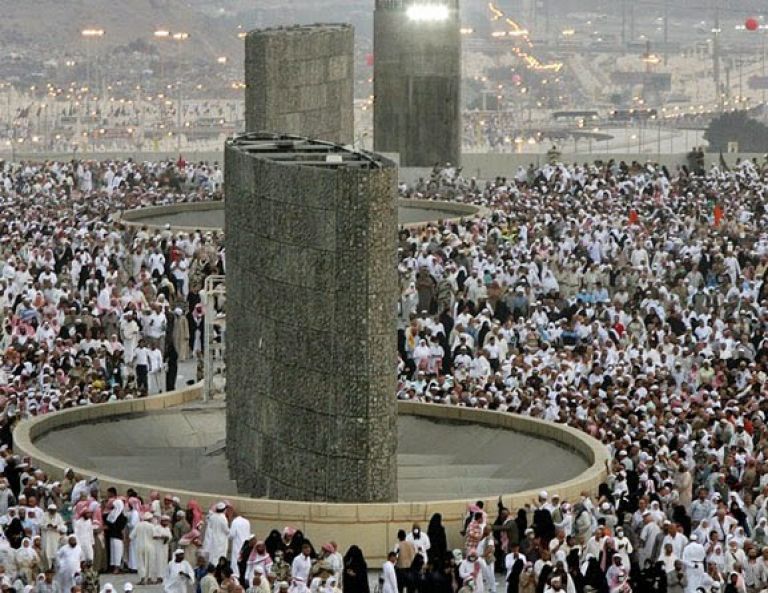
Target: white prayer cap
[(178, 551), (128, 587), (259, 570), (543, 494), (220, 506), (147, 516)]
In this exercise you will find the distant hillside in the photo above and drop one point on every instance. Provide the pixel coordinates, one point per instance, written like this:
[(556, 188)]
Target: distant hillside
[(55, 25)]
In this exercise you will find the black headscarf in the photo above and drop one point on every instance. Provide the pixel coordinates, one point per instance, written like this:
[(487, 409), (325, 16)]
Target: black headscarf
[(546, 572), (274, 542), (594, 577), (355, 577), (522, 522), (437, 538)]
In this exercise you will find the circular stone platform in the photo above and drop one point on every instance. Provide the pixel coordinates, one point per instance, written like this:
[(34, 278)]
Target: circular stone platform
[(182, 448), (210, 215)]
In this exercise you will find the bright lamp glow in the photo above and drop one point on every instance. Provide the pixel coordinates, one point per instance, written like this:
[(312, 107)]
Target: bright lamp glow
[(428, 12)]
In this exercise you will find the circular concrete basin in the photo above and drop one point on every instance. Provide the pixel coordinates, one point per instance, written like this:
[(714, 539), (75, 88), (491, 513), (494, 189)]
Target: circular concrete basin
[(172, 441), (210, 215), (183, 448)]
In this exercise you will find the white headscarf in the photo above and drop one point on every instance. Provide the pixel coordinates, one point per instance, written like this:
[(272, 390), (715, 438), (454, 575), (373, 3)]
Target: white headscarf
[(118, 506)]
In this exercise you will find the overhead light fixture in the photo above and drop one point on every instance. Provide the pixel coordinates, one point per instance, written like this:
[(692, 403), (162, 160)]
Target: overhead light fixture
[(428, 12)]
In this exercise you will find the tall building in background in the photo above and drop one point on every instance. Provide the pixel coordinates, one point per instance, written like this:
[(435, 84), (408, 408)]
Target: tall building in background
[(417, 81), (300, 80), (311, 297)]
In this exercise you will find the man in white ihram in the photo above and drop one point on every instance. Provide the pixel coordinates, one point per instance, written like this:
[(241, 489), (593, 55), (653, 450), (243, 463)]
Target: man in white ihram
[(67, 564), (179, 576), (693, 558), (217, 534)]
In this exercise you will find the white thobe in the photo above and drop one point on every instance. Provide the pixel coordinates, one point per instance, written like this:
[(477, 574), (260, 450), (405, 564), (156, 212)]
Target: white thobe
[(178, 577), (301, 566), (390, 578), (162, 536), (7, 558), (67, 566), (474, 570), (142, 534), (116, 547), (83, 529), (238, 533), (693, 558), (648, 536), (49, 532), (216, 537)]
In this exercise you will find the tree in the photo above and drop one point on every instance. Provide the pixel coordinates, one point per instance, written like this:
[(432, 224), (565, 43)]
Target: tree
[(750, 134)]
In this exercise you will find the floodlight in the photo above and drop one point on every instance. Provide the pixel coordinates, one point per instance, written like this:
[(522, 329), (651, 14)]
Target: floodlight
[(428, 12)]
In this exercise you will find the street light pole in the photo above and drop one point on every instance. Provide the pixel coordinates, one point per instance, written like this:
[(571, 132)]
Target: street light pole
[(716, 57), (179, 37), (178, 120), (88, 35)]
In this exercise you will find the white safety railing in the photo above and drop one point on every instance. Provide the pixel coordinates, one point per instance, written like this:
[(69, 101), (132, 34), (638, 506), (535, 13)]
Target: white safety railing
[(214, 349)]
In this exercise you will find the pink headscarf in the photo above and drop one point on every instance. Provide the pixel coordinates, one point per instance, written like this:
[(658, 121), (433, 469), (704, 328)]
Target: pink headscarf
[(81, 506), (134, 503), (96, 515), (260, 558), (197, 512), (189, 537)]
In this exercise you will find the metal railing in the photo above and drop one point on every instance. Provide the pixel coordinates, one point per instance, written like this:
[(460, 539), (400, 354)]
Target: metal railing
[(402, 4), (214, 348)]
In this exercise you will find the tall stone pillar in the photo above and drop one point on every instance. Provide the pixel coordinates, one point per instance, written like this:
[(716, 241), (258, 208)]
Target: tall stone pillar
[(417, 81), (311, 233), (300, 80)]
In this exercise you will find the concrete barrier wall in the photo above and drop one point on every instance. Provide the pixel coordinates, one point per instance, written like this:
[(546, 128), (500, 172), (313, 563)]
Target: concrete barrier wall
[(483, 165), (193, 156), (371, 526)]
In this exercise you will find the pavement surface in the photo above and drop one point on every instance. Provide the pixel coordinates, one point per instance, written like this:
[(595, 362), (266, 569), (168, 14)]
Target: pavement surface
[(183, 448)]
